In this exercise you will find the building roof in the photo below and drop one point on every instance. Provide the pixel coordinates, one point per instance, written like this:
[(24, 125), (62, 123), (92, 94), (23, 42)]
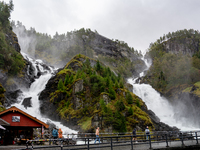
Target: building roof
[(4, 123), (15, 109)]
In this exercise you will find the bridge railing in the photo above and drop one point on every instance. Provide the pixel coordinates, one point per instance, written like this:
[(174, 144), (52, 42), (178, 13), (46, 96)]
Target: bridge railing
[(86, 140)]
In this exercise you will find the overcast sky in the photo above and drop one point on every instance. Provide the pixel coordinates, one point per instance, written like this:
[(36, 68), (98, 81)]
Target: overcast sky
[(137, 22)]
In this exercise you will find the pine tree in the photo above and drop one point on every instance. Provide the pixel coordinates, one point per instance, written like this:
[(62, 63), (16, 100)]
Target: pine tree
[(60, 85)]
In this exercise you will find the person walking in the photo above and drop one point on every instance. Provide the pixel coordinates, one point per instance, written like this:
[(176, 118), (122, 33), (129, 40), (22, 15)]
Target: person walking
[(147, 132), (97, 135), (134, 135)]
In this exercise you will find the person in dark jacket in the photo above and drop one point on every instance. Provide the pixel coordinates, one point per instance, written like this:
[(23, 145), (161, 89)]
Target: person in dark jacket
[(134, 135)]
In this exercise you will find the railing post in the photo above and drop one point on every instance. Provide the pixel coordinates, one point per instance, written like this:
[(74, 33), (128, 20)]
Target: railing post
[(131, 143), (196, 137), (61, 144), (88, 145), (166, 140), (85, 139), (26, 144), (31, 144), (111, 143), (150, 141)]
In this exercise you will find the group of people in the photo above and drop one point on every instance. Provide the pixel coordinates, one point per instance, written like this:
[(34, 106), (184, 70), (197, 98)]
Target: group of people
[(147, 132), (57, 133)]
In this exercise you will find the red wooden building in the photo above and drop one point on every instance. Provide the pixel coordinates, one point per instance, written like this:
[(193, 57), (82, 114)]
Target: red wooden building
[(20, 125)]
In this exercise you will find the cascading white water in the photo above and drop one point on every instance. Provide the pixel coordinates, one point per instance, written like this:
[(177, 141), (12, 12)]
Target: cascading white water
[(158, 104), (36, 87)]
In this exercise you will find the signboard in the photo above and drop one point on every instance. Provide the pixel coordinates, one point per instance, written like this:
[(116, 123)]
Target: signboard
[(15, 118)]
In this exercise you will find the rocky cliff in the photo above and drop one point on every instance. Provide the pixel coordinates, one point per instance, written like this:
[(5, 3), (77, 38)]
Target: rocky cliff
[(79, 98), (59, 50)]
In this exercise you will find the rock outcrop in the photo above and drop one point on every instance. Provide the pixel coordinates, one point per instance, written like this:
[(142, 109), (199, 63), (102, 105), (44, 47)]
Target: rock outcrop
[(185, 46), (82, 99), (27, 102)]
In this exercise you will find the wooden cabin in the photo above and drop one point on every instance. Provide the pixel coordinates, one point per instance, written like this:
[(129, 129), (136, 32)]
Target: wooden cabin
[(19, 125)]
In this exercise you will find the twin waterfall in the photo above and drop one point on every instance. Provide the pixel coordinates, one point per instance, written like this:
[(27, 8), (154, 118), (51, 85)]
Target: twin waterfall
[(159, 105)]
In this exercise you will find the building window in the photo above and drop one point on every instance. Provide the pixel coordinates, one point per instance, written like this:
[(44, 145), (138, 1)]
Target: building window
[(15, 118)]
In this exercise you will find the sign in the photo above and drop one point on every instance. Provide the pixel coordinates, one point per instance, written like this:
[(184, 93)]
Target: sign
[(15, 118)]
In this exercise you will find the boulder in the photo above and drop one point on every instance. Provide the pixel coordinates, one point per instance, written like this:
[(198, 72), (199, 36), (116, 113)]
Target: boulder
[(153, 116), (27, 102)]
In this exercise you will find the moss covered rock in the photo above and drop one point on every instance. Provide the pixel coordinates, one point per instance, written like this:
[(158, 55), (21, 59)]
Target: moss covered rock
[(86, 94)]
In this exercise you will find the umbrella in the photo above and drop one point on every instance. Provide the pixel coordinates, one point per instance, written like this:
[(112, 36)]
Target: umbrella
[(1, 127)]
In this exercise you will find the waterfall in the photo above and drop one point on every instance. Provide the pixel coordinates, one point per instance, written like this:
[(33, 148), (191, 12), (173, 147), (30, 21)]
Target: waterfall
[(36, 87), (159, 104)]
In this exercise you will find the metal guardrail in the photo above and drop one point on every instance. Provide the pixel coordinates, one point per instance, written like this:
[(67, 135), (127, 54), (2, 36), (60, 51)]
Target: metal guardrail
[(120, 139)]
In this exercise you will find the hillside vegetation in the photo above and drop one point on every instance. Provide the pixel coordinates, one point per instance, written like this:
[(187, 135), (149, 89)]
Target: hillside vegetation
[(176, 61), (11, 61)]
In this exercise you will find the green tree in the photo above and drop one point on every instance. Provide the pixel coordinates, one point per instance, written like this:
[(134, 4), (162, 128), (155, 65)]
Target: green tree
[(119, 123), (5, 10), (66, 79), (112, 93), (130, 111), (129, 98), (60, 85)]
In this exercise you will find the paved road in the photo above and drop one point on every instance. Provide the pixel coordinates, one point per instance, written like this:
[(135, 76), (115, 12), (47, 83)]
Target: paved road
[(136, 146)]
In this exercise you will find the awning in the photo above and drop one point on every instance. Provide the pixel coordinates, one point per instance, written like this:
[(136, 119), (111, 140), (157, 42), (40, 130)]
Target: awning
[(3, 122), (1, 127)]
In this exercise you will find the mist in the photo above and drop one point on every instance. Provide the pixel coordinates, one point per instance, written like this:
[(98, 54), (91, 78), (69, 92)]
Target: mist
[(27, 42)]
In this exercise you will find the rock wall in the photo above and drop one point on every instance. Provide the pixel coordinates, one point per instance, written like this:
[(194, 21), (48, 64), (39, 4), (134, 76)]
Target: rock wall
[(185, 46)]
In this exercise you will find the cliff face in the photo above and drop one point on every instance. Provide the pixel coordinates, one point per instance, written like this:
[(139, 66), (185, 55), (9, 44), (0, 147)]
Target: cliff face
[(59, 50), (115, 54), (117, 50), (185, 46)]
